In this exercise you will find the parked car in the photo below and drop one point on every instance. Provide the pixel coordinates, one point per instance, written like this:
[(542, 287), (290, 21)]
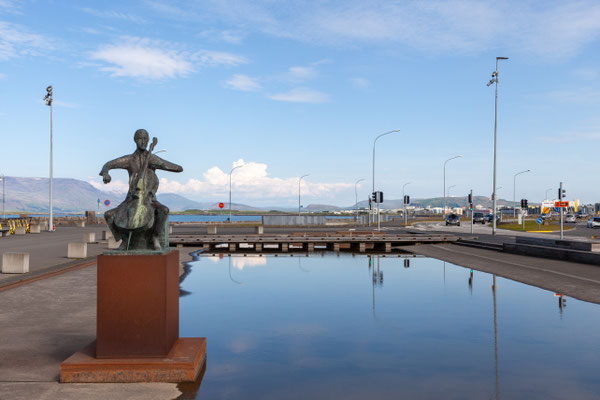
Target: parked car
[(581, 215), (490, 217), (593, 222), (452, 219), (478, 217), (570, 218)]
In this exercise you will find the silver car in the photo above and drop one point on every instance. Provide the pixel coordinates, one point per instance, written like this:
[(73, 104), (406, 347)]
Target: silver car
[(593, 222), (570, 218)]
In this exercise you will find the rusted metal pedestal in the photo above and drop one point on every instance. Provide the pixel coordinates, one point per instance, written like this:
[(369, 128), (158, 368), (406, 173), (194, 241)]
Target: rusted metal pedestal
[(137, 325)]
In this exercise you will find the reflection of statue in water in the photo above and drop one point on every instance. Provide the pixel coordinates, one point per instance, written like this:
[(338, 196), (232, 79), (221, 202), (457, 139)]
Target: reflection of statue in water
[(140, 221)]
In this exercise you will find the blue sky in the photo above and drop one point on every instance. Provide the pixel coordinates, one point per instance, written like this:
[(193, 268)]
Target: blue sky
[(303, 87)]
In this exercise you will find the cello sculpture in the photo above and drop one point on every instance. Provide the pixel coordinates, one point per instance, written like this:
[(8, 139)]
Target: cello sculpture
[(140, 221)]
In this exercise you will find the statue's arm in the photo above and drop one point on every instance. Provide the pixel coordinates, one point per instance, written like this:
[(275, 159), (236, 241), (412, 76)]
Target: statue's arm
[(117, 163), (158, 163)]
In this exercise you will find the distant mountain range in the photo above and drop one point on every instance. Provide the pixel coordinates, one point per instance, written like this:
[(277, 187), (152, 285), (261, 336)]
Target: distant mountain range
[(73, 195)]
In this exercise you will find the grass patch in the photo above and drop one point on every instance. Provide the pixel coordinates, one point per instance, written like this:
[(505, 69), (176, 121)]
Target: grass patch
[(532, 226)]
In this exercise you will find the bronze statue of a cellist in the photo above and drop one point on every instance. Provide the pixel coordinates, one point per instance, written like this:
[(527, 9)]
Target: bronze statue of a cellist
[(140, 221)]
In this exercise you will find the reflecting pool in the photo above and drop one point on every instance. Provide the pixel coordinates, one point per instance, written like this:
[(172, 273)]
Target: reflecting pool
[(370, 327)]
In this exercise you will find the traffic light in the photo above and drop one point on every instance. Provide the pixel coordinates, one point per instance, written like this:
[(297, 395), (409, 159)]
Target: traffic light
[(406, 199), (377, 197), (523, 203), (470, 197), (374, 197), (562, 193)]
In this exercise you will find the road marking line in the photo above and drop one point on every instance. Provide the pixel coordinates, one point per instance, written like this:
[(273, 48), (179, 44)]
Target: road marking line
[(519, 265)]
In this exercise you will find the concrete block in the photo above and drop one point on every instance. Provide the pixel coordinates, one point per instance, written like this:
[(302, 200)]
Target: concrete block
[(113, 244), (15, 263), (211, 230), (20, 230), (260, 229), (310, 247), (284, 247), (80, 224), (77, 250), (89, 237), (106, 235), (34, 229), (388, 247), (232, 246), (258, 246)]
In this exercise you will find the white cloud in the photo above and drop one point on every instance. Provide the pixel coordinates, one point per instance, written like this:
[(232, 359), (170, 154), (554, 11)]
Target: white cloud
[(300, 74), (301, 95), (243, 83), (112, 14), (360, 82), (215, 58), (252, 181), (115, 186), (552, 29), (143, 58), (16, 41)]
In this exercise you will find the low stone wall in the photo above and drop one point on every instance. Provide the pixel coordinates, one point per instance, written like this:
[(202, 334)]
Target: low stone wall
[(293, 220)]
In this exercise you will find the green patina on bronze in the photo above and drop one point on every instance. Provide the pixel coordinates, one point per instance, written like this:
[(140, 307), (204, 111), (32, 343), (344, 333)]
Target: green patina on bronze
[(140, 221)]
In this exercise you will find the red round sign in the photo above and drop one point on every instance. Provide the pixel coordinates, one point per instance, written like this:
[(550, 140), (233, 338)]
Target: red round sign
[(221, 205)]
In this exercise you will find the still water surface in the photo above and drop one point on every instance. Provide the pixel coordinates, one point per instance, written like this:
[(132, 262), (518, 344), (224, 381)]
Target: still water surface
[(360, 327)]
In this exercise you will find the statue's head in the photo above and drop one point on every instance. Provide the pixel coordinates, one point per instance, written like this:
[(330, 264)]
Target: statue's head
[(141, 138)]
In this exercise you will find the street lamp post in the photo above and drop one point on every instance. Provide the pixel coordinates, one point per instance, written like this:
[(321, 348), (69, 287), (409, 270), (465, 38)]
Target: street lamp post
[(230, 172), (375, 141), (3, 196), (492, 81), (356, 197), (300, 180), (515, 191), (48, 100), (450, 187), (546, 196), (451, 158), (404, 203)]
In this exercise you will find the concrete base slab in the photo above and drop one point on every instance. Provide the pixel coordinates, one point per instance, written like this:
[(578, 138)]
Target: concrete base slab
[(15, 263), (34, 229), (211, 230), (77, 250), (20, 230), (89, 237), (80, 224), (183, 364)]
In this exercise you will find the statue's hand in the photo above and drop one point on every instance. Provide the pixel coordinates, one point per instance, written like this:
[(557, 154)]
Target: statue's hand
[(106, 177)]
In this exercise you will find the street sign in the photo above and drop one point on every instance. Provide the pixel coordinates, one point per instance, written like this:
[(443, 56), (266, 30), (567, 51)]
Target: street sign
[(107, 202), (556, 209), (539, 220), (561, 204), (546, 210), (221, 205)]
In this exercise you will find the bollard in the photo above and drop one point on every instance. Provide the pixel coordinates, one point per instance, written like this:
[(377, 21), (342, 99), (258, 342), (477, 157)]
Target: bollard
[(260, 229), (34, 229), (211, 229), (113, 244), (89, 237), (15, 263), (77, 250)]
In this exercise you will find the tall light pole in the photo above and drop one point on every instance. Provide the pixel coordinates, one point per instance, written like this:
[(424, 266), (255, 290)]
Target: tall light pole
[(3, 196), (492, 81), (515, 191), (374, 142), (450, 187), (300, 180), (404, 203), (546, 196), (356, 196), (230, 172), (48, 100), (451, 158)]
